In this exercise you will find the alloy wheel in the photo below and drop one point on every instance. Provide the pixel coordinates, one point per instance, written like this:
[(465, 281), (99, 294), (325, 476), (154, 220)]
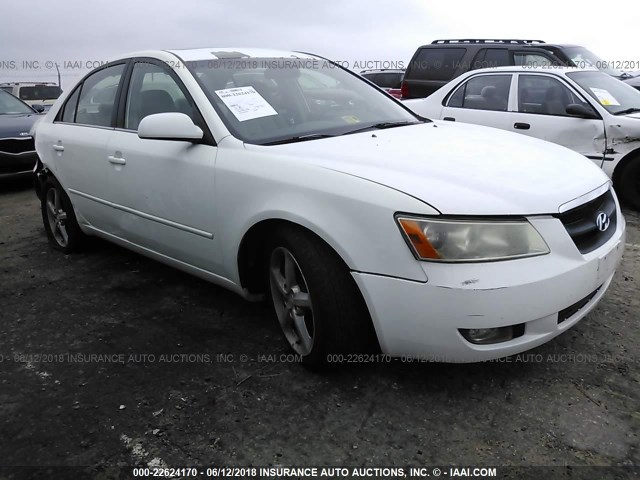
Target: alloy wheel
[(57, 217), (292, 300)]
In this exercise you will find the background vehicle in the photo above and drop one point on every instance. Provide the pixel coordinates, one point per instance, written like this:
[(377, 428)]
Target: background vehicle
[(634, 82), (582, 109), (388, 79), (17, 151), (368, 227), (432, 66), (40, 95)]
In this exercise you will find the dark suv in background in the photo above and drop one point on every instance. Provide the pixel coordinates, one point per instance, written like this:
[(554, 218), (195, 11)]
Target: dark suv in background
[(433, 65)]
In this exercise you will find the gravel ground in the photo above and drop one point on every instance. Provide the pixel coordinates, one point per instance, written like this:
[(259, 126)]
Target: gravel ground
[(186, 373)]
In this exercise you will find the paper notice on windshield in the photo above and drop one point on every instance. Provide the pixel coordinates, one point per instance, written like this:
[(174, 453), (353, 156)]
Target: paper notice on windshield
[(604, 97), (245, 103)]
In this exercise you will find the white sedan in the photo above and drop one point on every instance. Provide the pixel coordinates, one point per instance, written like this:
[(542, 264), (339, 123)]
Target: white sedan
[(583, 109), (370, 229)]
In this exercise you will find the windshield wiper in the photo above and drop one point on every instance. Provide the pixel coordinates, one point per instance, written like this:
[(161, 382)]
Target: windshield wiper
[(628, 110), (383, 125), (299, 138)]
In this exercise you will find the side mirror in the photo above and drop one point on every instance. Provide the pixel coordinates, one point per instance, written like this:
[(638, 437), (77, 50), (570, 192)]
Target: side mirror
[(169, 126), (581, 111), (38, 108)]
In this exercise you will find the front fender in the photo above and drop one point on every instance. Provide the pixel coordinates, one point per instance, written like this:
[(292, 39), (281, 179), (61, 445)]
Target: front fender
[(354, 216)]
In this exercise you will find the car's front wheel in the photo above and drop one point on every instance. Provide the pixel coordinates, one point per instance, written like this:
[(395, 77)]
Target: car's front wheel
[(318, 304), (59, 218)]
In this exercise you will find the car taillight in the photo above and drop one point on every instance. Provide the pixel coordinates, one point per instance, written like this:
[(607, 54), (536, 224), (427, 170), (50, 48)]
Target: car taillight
[(404, 90)]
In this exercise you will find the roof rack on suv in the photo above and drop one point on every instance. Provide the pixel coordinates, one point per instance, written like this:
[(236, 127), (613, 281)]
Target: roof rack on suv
[(485, 40)]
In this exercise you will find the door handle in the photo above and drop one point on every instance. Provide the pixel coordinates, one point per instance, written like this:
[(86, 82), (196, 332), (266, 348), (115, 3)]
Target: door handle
[(521, 126), (116, 160), (58, 148), (449, 119)]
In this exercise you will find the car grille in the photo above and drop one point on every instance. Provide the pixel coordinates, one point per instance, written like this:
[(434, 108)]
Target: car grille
[(16, 146), (581, 226)]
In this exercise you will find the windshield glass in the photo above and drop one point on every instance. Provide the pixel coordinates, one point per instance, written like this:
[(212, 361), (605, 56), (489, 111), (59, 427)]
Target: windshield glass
[(270, 100), (10, 105), (611, 93), (40, 92), (583, 58)]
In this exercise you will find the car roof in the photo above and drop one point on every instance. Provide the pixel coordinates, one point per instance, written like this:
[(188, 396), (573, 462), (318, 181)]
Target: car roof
[(519, 69), (28, 84), (215, 53), (484, 43), (382, 70), (235, 53)]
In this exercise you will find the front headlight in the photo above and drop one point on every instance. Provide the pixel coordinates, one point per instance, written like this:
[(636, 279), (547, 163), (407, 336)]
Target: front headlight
[(471, 240)]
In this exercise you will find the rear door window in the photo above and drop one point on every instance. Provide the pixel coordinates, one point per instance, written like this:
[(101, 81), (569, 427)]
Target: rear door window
[(484, 92), (69, 110), (436, 63), (96, 104)]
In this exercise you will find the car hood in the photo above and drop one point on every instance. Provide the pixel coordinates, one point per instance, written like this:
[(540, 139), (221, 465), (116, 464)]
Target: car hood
[(459, 169), (14, 125)]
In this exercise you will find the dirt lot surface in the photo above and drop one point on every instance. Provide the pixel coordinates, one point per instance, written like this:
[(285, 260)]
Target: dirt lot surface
[(108, 358)]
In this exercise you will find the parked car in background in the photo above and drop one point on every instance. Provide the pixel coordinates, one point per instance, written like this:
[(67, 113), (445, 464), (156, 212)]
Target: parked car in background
[(634, 82), (40, 95), (389, 80), (369, 228), (583, 109), (433, 65), (17, 150)]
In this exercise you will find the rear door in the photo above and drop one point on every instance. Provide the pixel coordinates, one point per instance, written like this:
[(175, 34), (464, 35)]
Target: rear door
[(482, 99), (542, 100), (74, 145), (165, 188)]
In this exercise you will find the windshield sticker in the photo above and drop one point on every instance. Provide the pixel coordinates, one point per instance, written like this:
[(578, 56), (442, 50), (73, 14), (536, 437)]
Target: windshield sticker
[(351, 119), (604, 97), (245, 103)]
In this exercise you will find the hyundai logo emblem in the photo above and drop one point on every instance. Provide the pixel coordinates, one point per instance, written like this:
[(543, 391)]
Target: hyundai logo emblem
[(602, 221)]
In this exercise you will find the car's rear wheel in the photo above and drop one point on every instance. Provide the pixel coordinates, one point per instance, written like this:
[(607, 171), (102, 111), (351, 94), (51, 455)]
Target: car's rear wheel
[(628, 183), (318, 304), (59, 218)]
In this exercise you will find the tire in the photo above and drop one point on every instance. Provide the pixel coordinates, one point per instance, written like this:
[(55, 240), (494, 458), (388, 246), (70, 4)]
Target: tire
[(628, 184), (59, 219), (316, 301)]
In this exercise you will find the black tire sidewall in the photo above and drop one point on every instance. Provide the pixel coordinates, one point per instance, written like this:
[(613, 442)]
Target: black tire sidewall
[(337, 303), (628, 183)]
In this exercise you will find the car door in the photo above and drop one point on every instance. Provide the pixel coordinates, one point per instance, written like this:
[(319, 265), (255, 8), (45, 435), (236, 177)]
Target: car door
[(76, 143), (165, 187), (482, 99), (542, 100)]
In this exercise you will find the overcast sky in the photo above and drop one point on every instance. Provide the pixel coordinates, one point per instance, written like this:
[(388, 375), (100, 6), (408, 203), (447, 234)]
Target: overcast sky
[(354, 30)]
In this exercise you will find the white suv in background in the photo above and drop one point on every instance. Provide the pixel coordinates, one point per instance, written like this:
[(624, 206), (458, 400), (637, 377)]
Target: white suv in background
[(368, 228), (585, 110), (39, 95)]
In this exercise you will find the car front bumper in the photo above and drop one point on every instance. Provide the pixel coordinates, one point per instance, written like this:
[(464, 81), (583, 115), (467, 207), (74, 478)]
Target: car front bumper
[(16, 165), (423, 320)]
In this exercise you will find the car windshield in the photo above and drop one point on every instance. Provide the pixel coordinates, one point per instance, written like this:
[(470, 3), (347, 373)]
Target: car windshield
[(583, 58), (277, 100), (40, 92), (10, 105), (616, 96)]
